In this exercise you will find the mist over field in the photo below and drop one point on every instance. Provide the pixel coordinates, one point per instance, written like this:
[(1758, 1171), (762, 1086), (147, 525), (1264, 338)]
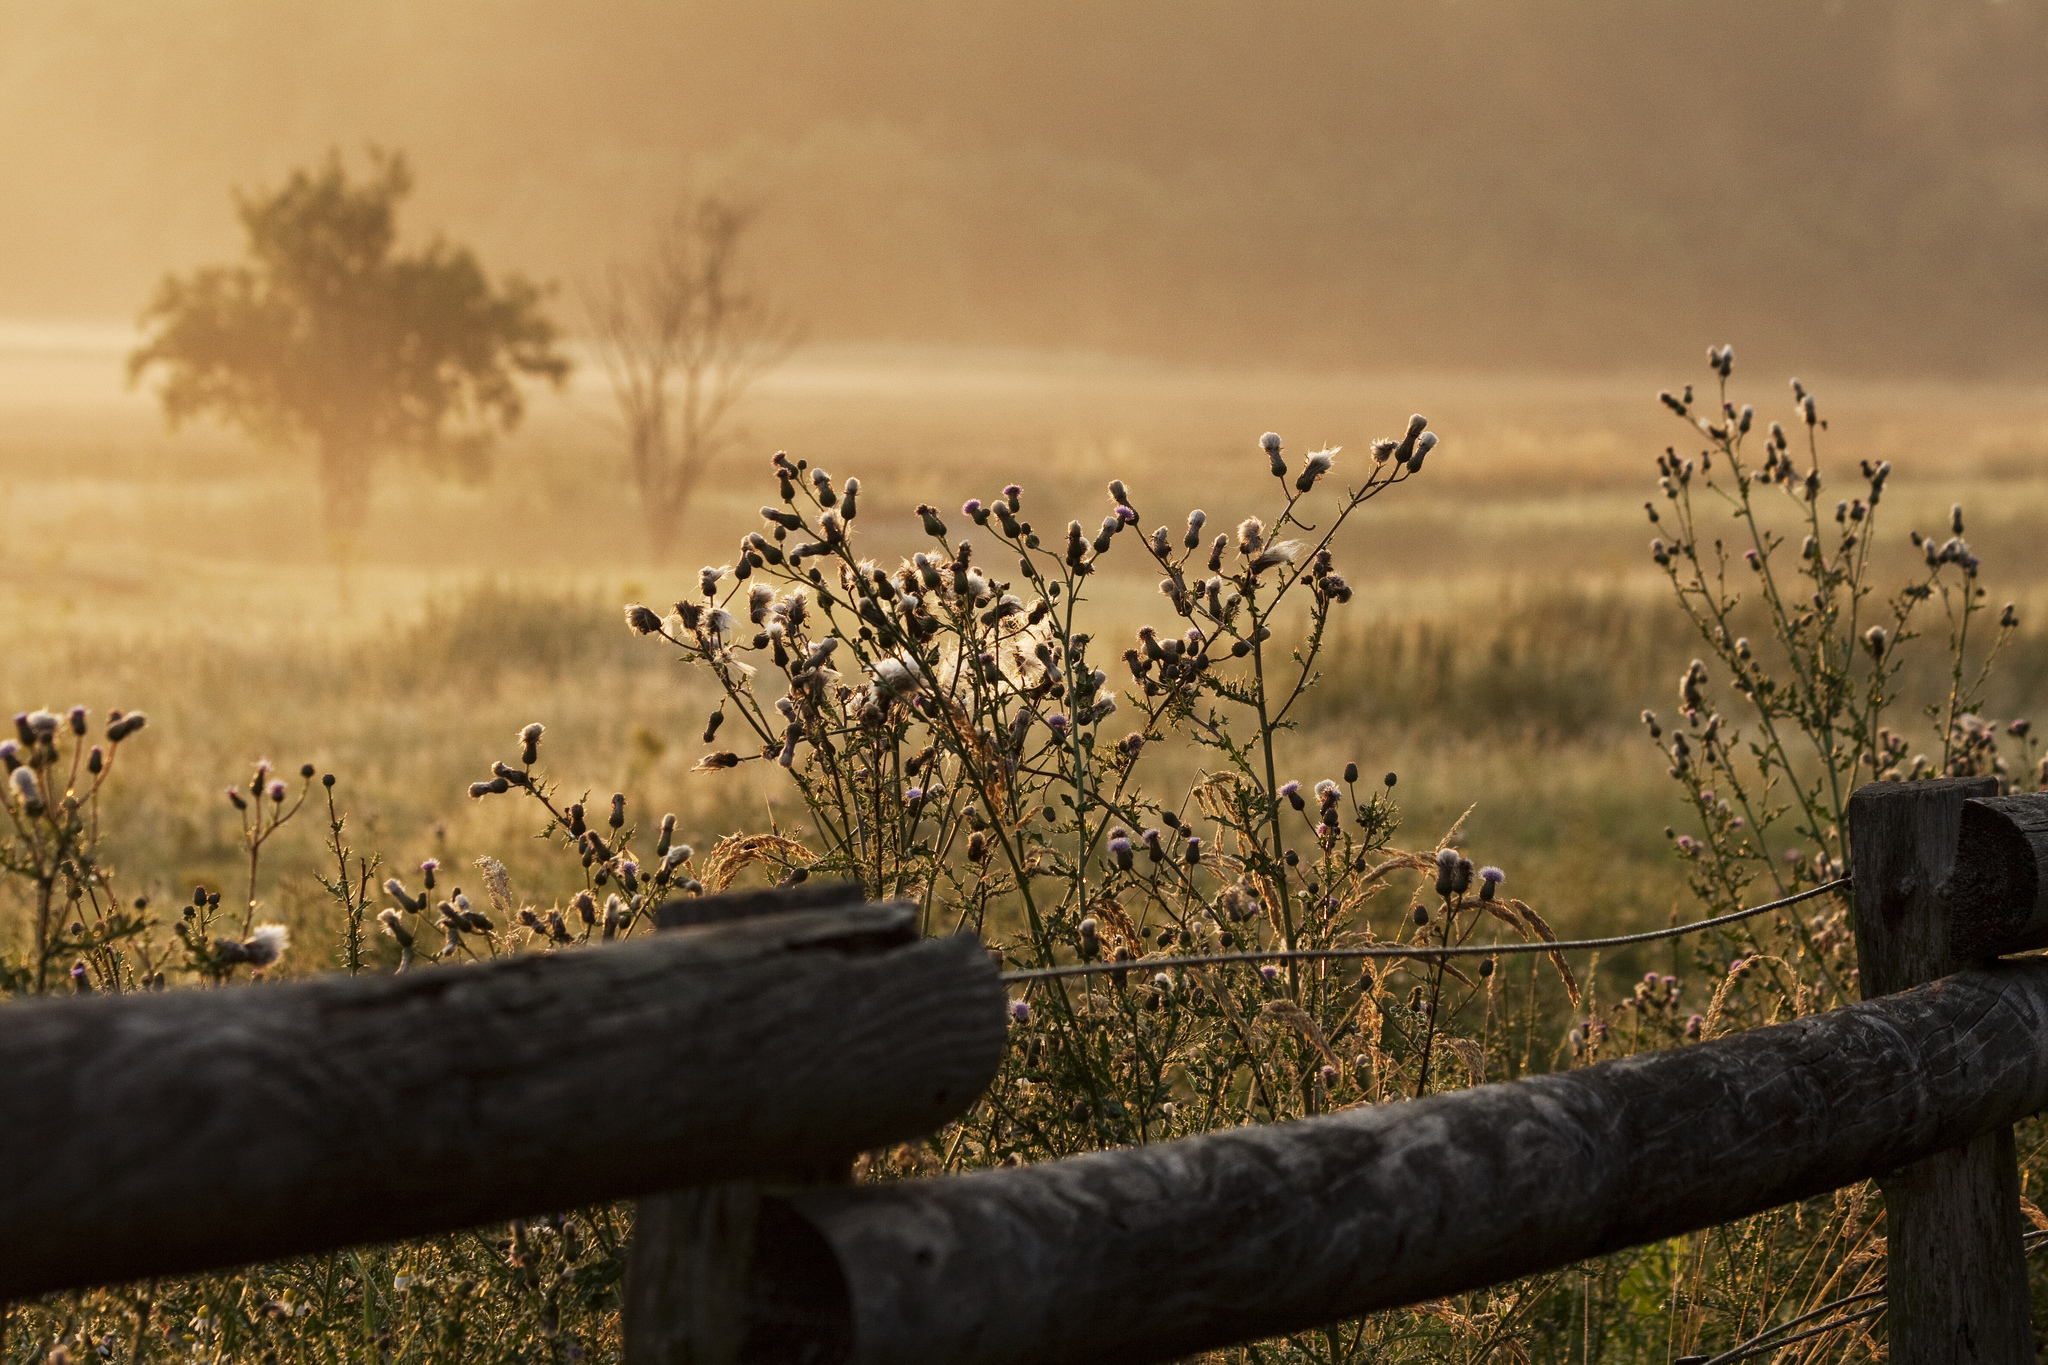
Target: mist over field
[(1842, 185), (375, 374)]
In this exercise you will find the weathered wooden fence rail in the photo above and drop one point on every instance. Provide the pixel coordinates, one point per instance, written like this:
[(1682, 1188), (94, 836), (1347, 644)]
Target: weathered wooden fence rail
[(743, 1062), (1150, 1254), (154, 1134)]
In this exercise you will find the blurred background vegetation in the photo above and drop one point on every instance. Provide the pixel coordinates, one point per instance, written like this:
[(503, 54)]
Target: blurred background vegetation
[(1044, 242), (1531, 184)]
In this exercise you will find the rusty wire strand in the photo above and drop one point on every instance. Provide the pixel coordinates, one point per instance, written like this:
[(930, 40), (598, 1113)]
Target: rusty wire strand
[(1418, 951)]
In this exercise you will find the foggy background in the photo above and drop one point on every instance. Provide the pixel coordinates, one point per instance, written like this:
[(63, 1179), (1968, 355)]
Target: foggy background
[(1857, 186)]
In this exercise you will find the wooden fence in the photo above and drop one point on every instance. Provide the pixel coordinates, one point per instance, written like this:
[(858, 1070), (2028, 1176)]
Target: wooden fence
[(724, 1073)]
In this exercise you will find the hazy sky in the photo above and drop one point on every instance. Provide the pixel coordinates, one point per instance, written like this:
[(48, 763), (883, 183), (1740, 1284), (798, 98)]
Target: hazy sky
[(1542, 183)]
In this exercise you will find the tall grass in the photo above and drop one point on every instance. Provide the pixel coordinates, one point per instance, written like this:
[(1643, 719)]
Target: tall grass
[(1507, 705)]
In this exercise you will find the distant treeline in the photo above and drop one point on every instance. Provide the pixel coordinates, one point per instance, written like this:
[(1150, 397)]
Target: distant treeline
[(1541, 183)]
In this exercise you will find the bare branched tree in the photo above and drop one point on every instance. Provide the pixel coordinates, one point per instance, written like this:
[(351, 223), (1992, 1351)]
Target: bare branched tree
[(684, 333)]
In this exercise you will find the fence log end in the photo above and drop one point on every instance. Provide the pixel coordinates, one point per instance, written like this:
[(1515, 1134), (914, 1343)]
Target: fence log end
[(1997, 897)]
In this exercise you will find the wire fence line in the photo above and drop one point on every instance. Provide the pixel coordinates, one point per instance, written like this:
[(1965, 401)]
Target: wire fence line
[(1423, 951)]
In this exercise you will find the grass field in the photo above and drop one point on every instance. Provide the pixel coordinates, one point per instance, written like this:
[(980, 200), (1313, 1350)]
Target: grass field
[(1507, 630)]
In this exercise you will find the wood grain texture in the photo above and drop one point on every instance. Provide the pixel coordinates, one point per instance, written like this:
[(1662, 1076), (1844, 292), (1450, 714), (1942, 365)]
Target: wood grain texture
[(1902, 839), (1997, 897), (1956, 1274), (157, 1134), (685, 1292), (1161, 1251)]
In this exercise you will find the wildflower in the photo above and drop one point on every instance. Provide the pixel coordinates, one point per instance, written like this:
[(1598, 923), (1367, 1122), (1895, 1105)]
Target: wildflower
[(707, 764), (43, 723), (1446, 870), (1091, 943), (1279, 552), (1490, 879), (1270, 443), (28, 789), (1318, 464), (1406, 449), (1270, 972), (1194, 851), (395, 926), (1423, 446), (428, 869), (932, 525), (900, 676), (1120, 850), (1196, 520), (277, 792), (266, 945), (1058, 724), (1686, 844), (1020, 1010), (1251, 536), (642, 619), (1292, 792), (1874, 640), (120, 727)]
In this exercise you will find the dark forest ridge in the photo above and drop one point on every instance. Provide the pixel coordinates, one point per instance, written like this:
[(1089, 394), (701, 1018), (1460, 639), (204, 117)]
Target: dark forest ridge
[(1560, 183)]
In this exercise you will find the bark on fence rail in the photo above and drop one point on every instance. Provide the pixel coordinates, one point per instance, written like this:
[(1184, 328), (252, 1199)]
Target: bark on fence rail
[(1154, 1253), (157, 1134)]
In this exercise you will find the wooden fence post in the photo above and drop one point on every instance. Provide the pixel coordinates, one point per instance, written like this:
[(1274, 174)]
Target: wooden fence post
[(688, 1271), (1956, 1279)]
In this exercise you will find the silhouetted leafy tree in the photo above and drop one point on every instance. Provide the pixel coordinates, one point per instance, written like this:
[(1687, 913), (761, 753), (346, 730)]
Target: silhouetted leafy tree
[(326, 336)]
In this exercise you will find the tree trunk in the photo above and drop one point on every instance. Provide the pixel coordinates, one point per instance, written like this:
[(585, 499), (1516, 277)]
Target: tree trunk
[(345, 460)]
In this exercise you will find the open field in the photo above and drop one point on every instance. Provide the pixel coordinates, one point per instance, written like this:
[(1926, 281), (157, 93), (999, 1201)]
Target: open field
[(1507, 628), (1508, 625)]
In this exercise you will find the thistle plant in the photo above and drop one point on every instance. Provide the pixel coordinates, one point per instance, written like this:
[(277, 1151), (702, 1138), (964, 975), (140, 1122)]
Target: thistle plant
[(1779, 582), (52, 796), (955, 733)]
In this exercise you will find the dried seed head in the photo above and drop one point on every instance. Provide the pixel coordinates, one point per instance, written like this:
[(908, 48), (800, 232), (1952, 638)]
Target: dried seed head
[(266, 945), (1423, 445), (1406, 449), (642, 619), (395, 926)]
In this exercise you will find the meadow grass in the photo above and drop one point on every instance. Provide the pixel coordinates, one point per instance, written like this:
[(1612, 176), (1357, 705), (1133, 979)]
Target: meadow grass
[(1508, 630)]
